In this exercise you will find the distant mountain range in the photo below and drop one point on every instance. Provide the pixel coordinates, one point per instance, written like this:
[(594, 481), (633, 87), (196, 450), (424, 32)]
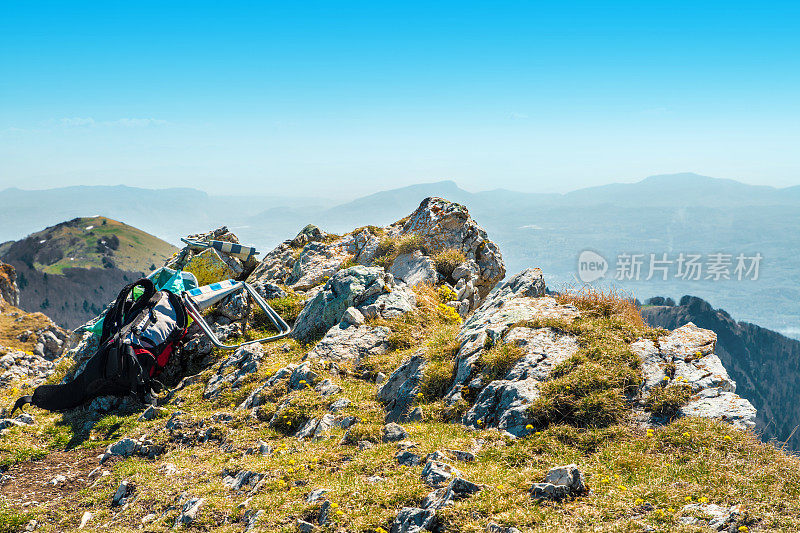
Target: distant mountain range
[(668, 214), (764, 364)]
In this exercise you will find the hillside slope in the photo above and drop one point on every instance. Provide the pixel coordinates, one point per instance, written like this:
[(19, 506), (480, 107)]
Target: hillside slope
[(70, 271), (765, 364), (401, 405)]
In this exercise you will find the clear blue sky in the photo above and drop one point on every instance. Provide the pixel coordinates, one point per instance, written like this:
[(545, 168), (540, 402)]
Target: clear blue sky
[(343, 98)]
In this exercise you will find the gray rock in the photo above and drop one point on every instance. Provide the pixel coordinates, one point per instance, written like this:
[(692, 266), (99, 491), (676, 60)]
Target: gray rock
[(435, 473), (456, 489), (352, 317), (324, 513), (347, 422), (251, 518), (85, 519), (491, 527), (460, 455), (124, 490), (504, 404), (339, 404), (255, 398), (446, 225), (414, 268), (394, 432), (269, 291), (305, 527), (326, 423), (414, 520), (690, 350), (519, 299), (407, 458), (351, 343), (346, 288), (303, 377), (264, 448), (401, 389), (380, 377), (548, 491), (243, 479), (568, 476), (189, 511), (234, 369), (392, 304), (718, 518), (152, 412), (307, 430), (316, 495), (327, 388)]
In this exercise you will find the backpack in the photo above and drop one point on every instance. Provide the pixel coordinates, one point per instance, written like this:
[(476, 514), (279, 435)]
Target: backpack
[(140, 333)]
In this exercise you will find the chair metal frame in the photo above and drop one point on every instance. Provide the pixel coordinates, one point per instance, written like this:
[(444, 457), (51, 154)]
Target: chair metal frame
[(282, 327)]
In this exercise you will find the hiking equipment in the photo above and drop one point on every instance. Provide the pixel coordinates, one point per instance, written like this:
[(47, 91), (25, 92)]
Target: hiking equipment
[(236, 250), (204, 297), (139, 334)]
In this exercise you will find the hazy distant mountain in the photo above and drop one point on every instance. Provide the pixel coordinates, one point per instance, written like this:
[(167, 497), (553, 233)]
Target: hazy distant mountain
[(167, 213)]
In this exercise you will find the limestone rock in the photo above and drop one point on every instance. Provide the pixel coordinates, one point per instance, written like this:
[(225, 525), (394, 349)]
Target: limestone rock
[(234, 369), (9, 292), (435, 473), (689, 350), (456, 489), (189, 511), (414, 268), (446, 225), (414, 520), (394, 432), (351, 343), (400, 391), (347, 288)]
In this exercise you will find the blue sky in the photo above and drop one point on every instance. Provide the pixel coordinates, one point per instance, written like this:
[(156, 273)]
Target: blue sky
[(343, 98)]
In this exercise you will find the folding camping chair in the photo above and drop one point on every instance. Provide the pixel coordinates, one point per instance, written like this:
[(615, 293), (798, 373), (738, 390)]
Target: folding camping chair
[(236, 250), (204, 297)]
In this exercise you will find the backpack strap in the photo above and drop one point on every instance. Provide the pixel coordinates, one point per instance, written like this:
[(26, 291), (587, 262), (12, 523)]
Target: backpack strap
[(123, 311)]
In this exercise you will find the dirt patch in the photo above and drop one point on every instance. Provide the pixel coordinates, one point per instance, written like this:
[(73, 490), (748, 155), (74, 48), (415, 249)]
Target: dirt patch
[(31, 482)]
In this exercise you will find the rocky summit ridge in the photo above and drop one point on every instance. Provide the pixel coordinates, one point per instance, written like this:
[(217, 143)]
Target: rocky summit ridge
[(417, 392)]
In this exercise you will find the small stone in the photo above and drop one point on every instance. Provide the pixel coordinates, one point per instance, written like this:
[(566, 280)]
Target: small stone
[(57, 480), (305, 527), (121, 496), (352, 317), (413, 520), (375, 479), (380, 377), (365, 445), (264, 448), (394, 432), (146, 519), (316, 495), (327, 388), (436, 473), (189, 511), (569, 476), (85, 519), (151, 413), (460, 455), (338, 405), (25, 418), (324, 513), (407, 458), (548, 491)]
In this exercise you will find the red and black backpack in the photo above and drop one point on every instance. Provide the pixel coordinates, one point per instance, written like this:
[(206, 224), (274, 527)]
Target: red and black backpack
[(139, 336)]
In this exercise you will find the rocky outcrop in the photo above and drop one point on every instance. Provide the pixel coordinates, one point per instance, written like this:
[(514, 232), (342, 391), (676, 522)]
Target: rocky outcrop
[(369, 289), (763, 363), (445, 225), (503, 403), (9, 292), (686, 357)]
